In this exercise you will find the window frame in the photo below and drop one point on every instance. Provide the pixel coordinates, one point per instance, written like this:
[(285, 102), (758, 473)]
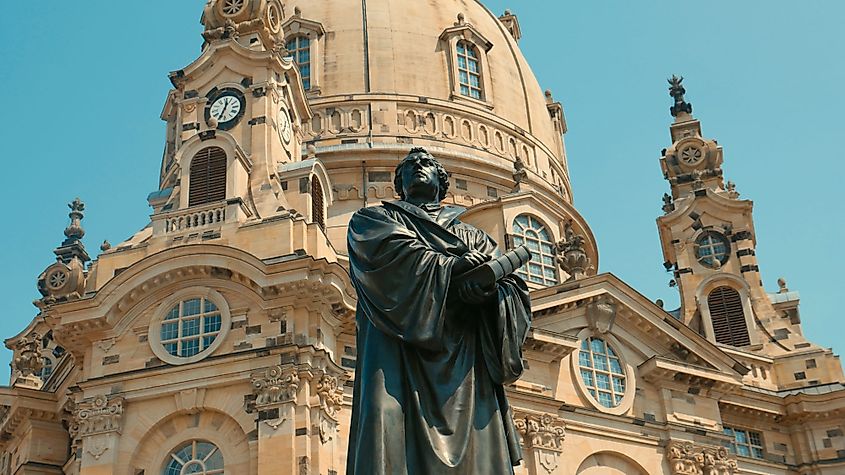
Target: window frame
[(723, 279), (449, 39), (732, 445), (191, 178), (154, 331), (316, 34), (714, 235), (170, 456), (295, 54), (467, 51), (526, 275), (627, 401)]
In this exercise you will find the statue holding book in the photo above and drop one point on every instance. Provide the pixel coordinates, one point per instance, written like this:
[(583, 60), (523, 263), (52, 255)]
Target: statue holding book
[(440, 329)]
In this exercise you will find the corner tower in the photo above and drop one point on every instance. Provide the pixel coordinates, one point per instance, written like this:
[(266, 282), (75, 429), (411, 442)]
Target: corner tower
[(709, 244)]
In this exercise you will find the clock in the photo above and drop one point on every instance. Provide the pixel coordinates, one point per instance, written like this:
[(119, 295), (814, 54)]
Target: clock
[(226, 106), (284, 127)]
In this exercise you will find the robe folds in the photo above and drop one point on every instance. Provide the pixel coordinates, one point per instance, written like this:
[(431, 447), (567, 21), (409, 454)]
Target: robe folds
[(428, 395)]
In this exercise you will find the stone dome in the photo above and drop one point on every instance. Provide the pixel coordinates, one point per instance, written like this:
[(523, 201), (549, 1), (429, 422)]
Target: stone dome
[(392, 68)]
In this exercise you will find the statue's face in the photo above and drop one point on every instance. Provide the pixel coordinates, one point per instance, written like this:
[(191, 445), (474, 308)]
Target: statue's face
[(419, 177)]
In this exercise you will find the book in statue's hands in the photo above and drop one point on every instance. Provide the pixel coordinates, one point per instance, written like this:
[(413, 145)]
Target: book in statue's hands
[(490, 272)]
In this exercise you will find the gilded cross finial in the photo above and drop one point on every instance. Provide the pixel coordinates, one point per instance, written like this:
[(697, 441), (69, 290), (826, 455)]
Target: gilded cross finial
[(677, 91)]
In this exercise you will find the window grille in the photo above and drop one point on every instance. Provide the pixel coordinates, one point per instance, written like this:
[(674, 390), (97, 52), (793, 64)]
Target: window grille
[(541, 269), (469, 70), (746, 443), (300, 48)]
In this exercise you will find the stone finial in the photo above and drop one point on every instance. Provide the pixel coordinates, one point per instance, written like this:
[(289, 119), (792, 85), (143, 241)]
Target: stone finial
[(782, 288), (730, 187), (105, 246), (572, 257), (668, 206), (549, 97), (461, 19), (311, 150), (74, 231), (28, 360), (677, 91), (519, 173), (297, 12)]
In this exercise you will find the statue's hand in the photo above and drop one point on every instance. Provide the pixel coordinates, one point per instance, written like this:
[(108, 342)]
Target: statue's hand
[(473, 293), (469, 261)]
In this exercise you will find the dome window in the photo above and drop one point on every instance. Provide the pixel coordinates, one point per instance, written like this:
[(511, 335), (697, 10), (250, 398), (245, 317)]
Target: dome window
[(541, 269), (469, 70), (728, 317), (208, 177), (196, 456), (300, 48)]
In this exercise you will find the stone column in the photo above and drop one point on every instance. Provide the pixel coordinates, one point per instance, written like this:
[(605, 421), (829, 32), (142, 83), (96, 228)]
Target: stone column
[(542, 436), (275, 389), (97, 424)]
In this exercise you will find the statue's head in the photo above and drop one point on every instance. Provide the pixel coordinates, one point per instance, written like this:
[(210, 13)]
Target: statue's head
[(419, 175)]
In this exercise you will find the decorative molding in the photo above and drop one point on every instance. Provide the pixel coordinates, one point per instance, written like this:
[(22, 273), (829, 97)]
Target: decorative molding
[(688, 459), (543, 436), (601, 315), (99, 415), (331, 395), (275, 385)]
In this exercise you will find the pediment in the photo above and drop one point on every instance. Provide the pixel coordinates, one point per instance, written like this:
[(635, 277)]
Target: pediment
[(660, 346)]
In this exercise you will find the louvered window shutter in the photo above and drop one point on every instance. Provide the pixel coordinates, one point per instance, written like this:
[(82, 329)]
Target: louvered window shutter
[(208, 177), (728, 317), (317, 202)]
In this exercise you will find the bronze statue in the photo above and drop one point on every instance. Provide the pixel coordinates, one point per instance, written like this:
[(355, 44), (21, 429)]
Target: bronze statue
[(434, 352)]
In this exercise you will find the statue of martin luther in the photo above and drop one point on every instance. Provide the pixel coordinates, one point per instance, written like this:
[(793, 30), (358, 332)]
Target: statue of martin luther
[(433, 356)]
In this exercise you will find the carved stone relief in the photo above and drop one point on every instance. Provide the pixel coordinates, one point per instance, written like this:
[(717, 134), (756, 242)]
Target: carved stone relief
[(275, 385), (543, 436), (688, 459), (98, 416)]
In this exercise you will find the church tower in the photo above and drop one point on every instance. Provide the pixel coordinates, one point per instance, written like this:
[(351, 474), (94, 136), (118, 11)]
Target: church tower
[(709, 244)]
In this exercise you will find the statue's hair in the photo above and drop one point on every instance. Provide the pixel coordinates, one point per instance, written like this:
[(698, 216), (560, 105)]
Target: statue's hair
[(442, 175)]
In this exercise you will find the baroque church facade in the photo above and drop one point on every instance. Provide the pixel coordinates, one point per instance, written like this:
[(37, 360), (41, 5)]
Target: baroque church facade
[(220, 338)]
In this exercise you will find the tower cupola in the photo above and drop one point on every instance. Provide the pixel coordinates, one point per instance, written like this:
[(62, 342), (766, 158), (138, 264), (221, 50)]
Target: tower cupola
[(253, 23)]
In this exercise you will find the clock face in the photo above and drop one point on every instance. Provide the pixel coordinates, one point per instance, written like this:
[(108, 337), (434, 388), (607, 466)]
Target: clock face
[(226, 107), (285, 129)]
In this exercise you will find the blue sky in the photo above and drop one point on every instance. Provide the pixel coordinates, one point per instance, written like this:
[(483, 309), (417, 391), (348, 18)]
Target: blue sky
[(83, 84)]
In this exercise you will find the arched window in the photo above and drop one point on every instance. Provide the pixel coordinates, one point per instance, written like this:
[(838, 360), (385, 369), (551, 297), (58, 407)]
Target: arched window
[(317, 202), (208, 177), (602, 372), (530, 231), (469, 70), (197, 457), (728, 317), (300, 48)]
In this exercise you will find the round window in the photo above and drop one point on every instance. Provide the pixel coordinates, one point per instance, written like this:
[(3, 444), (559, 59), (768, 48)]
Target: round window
[(189, 326), (231, 7), (197, 457), (601, 372), (712, 249)]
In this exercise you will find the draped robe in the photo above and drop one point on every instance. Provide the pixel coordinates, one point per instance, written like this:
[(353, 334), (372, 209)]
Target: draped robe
[(428, 394)]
